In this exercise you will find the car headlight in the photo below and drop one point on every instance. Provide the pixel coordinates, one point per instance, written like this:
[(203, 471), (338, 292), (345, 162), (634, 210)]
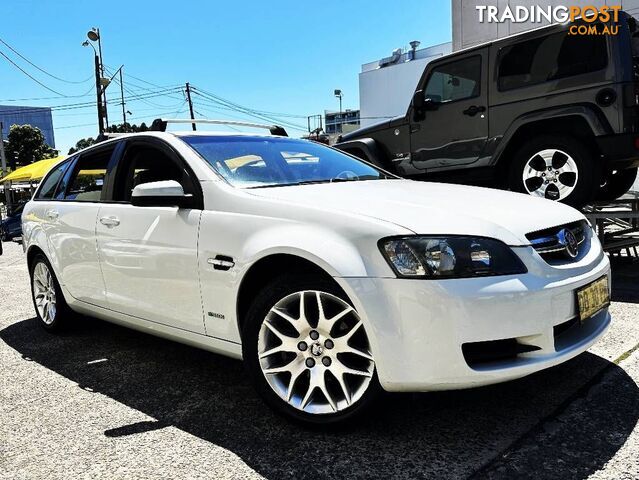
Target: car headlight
[(450, 257)]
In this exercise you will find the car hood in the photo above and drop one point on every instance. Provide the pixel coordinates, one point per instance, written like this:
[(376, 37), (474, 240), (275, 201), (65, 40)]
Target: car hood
[(433, 208)]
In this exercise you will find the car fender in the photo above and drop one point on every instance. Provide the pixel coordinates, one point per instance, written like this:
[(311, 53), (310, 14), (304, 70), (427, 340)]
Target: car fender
[(597, 126), (368, 146)]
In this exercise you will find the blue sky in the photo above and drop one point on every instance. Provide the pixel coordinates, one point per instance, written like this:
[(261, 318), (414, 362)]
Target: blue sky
[(276, 56)]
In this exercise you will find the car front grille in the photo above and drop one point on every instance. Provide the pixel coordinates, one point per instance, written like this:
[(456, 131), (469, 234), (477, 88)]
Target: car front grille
[(560, 244)]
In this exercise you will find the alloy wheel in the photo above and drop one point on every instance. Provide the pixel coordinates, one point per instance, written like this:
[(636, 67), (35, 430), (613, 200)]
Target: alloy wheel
[(44, 293), (314, 352), (551, 174)]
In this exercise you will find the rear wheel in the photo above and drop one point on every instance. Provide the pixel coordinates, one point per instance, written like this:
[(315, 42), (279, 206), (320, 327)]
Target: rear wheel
[(308, 353), (50, 306), (617, 183), (556, 168)]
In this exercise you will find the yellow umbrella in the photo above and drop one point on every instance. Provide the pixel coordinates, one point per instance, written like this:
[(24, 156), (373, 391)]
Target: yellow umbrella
[(35, 171)]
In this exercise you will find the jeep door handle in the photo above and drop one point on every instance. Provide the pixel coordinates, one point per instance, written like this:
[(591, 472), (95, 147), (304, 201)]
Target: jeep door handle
[(110, 222), (474, 110), (52, 214)]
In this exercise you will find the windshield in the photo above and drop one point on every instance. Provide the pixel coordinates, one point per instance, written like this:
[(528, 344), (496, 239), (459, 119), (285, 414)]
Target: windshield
[(252, 162)]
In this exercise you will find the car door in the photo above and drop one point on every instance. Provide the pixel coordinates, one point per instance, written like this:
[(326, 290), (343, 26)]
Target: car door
[(148, 254), (71, 219), (451, 129)]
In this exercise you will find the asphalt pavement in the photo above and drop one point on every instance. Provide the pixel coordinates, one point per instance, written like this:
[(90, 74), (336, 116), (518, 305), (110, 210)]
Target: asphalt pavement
[(102, 401)]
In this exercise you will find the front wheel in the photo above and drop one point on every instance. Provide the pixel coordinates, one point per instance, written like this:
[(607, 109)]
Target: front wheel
[(556, 168), (308, 353)]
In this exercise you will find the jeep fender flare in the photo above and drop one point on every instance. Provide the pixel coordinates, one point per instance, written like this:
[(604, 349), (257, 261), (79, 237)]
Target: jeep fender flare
[(368, 147), (588, 114)]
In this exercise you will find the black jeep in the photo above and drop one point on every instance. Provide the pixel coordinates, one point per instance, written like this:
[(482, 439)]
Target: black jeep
[(548, 112)]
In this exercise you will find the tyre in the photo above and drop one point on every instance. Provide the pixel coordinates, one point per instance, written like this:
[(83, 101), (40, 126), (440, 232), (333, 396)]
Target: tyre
[(557, 168), (617, 183), (51, 309), (307, 352)]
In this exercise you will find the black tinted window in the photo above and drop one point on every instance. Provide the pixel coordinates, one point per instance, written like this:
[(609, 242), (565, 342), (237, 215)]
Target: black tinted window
[(87, 180), (455, 80), (144, 164), (550, 58), (51, 181)]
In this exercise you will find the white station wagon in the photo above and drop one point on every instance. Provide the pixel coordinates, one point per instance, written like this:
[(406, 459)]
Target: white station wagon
[(331, 278)]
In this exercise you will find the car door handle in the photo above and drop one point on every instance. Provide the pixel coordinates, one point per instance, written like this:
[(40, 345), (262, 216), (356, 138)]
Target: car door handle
[(110, 221), (52, 214), (474, 110)]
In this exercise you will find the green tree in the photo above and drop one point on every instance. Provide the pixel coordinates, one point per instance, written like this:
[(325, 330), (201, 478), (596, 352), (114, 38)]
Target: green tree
[(80, 144), (116, 128), (27, 145)]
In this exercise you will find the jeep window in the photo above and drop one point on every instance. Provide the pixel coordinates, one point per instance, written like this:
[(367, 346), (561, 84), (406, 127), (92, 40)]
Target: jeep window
[(249, 162), (455, 80), (552, 57), (51, 182), (87, 179)]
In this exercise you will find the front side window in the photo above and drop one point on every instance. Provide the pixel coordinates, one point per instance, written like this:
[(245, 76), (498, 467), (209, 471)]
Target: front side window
[(87, 179), (143, 163), (455, 80), (50, 183), (552, 57), (249, 162)]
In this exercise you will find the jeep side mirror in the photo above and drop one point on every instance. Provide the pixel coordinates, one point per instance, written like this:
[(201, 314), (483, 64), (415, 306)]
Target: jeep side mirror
[(418, 100)]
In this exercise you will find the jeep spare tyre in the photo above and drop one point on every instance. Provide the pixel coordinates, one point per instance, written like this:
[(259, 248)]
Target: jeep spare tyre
[(555, 167)]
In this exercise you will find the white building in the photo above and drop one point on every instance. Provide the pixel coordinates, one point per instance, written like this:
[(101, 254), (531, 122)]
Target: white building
[(386, 86)]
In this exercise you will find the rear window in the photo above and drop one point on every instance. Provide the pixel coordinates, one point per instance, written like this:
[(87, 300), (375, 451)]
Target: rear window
[(552, 57), (51, 181), (87, 180)]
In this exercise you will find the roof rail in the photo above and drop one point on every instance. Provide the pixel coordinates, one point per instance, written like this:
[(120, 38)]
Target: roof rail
[(160, 124)]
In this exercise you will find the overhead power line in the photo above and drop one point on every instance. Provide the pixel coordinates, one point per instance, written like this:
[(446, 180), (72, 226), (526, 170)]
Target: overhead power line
[(29, 75), (42, 69)]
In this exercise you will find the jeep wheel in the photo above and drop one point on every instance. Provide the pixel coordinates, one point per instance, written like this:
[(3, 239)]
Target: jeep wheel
[(557, 168), (617, 183)]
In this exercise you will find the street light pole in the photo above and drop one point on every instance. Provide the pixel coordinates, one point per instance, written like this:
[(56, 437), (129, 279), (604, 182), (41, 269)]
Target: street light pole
[(98, 91), (104, 97), (338, 94)]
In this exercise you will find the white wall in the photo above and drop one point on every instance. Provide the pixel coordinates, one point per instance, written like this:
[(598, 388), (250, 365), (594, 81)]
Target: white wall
[(467, 31), (386, 92)]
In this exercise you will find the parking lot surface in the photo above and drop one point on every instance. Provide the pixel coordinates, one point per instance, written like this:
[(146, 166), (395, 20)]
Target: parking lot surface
[(102, 401)]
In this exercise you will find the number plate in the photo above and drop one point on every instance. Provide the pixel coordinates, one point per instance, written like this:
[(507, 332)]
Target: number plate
[(593, 297)]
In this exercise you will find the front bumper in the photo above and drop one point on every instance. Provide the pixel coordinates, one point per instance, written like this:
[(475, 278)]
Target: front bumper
[(417, 327)]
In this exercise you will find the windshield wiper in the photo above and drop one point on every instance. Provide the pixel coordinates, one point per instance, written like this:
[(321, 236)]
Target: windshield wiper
[(325, 180)]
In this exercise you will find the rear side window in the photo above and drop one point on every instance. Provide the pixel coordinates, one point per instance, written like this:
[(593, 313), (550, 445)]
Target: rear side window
[(51, 182), (552, 57), (87, 180)]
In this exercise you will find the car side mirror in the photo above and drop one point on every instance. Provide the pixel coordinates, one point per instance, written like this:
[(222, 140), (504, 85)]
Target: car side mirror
[(167, 193)]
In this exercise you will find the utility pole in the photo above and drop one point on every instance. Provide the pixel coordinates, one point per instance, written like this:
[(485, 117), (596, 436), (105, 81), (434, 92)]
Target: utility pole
[(98, 92), (188, 97), (3, 159), (122, 97)]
